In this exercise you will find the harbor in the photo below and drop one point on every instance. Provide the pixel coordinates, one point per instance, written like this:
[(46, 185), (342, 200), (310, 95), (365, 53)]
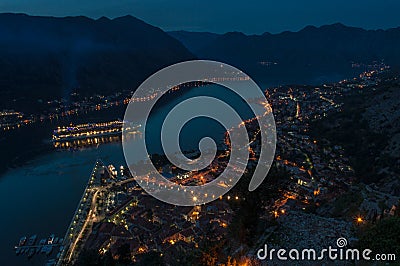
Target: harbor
[(67, 248), (45, 194), (82, 212), (47, 190), (46, 246), (91, 209)]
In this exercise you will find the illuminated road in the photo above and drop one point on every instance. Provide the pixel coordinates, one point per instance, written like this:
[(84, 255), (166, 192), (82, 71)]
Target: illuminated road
[(73, 251)]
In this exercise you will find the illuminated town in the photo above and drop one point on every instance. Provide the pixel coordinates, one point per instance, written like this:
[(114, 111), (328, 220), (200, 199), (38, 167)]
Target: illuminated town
[(195, 133), (310, 183)]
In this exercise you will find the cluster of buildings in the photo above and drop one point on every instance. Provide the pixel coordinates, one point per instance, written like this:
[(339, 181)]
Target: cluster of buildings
[(319, 172), (10, 119), (77, 104), (145, 224)]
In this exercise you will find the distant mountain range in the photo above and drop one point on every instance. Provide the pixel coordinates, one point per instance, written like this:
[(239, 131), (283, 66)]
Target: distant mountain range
[(47, 57), (311, 55)]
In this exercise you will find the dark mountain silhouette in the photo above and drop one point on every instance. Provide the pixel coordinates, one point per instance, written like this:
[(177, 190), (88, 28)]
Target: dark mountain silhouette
[(47, 57), (311, 55), (194, 41)]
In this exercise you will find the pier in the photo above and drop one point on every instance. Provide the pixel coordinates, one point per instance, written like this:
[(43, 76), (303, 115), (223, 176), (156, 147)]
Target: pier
[(88, 212), (29, 247), (83, 216)]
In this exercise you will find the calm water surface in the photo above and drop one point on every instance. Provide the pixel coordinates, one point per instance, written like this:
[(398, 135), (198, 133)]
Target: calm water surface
[(40, 196)]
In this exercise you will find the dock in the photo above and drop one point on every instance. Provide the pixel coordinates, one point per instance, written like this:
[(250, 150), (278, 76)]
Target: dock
[(83, 217), (87, 213), (45, 245)]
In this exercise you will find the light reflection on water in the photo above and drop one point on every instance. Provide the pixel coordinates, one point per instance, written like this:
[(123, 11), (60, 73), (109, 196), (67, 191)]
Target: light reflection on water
[(41, 196), (81, 144)]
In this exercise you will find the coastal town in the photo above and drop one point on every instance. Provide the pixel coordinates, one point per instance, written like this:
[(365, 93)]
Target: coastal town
[(76, 105), (117, 218), (221, 133)]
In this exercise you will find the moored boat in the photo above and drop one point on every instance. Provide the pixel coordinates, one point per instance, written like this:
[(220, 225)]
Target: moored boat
[(49, 250), (31, 240), (50, 239), (22, 241), (31, 252)]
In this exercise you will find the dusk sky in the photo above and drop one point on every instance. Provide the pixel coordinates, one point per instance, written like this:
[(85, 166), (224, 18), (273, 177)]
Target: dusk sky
[(224, 15)]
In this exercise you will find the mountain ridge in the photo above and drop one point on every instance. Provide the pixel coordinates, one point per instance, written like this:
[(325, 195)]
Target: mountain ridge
[(310, 55), (42, 58)]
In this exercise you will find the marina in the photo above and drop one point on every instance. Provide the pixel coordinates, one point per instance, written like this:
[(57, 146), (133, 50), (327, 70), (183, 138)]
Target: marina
[(46, 246), (60, 178)]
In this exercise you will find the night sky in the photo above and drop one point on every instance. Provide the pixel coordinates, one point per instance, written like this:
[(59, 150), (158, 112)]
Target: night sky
[(224, 15)]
